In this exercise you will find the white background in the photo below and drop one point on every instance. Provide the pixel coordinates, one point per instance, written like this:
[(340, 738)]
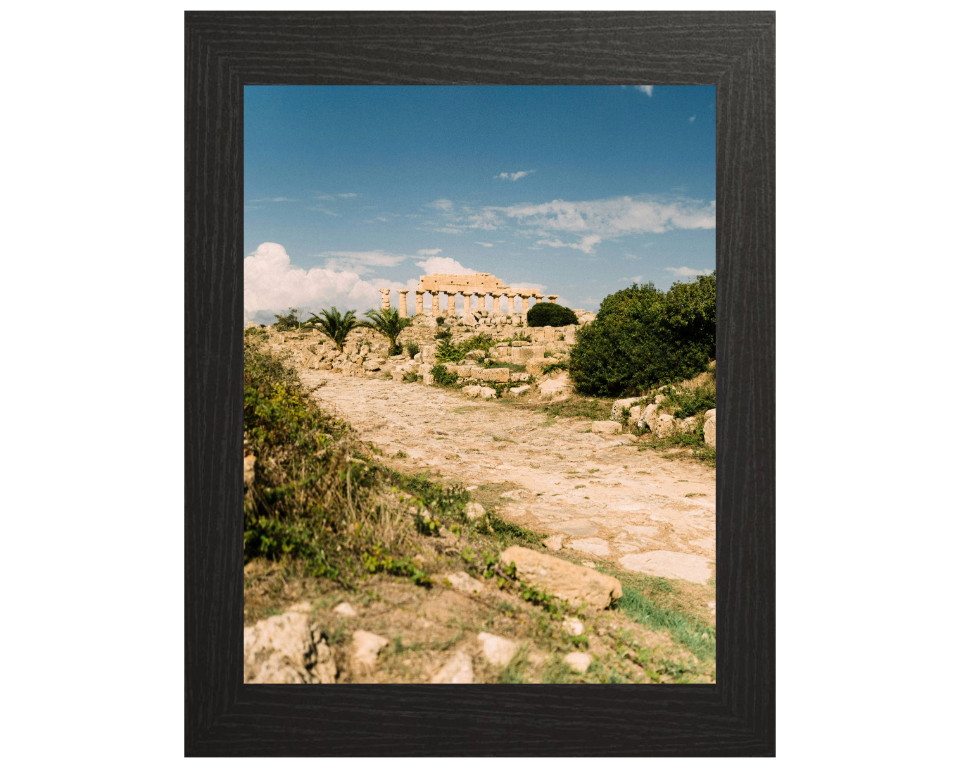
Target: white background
[(93, 382)]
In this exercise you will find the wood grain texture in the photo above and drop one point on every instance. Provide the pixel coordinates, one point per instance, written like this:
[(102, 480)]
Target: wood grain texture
[(733, 51)]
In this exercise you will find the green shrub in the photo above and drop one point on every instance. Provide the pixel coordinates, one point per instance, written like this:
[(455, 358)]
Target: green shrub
[(547, 314), (290, 321), (442, 377), (448, 352), (412, 349), (643, 337)]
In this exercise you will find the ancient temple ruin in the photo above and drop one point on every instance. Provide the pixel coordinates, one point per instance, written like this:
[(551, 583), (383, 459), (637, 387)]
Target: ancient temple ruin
[(478, 285)]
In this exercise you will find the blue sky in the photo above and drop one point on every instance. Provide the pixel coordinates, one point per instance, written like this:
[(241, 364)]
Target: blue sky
[(574, 190)]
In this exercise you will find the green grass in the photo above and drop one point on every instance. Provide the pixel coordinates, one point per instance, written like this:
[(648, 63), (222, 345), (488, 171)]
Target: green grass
[(645, 601)]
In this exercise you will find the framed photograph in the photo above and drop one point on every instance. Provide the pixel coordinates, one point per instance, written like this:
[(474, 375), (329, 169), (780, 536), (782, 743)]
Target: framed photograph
[(480, 384)]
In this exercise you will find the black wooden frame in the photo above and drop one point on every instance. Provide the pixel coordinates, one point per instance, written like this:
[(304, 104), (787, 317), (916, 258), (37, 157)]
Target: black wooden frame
[(733, 51)]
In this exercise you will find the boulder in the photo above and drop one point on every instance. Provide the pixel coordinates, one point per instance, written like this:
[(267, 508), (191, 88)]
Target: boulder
[(569, 582), (475, 354), (519, 377), (474, 509), (495, 649), (710, 429), (287, 649), (572, 625), (578, 661), (558, 388), (554, 543), (472, 391), (519, 390), (372, 365), (345, 609), (522, 354), (537, 365), (457, 671), (424, 369), (665, 425), (463, 582), (606, 427), (636, 416), (366, 648), (494, 374), (650, 417), (487, 392), (469, 320), (428, 379), (249, 469), (618, 405)]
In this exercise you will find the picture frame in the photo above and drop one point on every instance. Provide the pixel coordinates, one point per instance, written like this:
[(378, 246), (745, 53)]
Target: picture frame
[(733, 51)]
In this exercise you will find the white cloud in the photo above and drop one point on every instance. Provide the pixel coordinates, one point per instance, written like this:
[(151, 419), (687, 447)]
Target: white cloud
[(485, 245), (271, 285), (441, 205), (322, 210), (693, 118), (687, 271), (429, 251), (360, 261), (449, 230), (324, 196), (443, 265), (596, 220), (513, 176), (630, 256), (347, 194), (647, 89), (636, 279), (274, 200)]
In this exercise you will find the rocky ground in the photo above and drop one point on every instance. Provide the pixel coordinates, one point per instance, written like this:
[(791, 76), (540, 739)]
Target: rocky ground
[(595, 494), (604, 506)]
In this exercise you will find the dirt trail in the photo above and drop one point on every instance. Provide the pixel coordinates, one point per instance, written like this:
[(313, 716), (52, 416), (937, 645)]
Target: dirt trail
[(607, 500)]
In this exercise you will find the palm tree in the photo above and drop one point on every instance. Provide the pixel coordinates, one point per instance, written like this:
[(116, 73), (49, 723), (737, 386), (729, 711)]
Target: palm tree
[(334, 325), (389, 323)]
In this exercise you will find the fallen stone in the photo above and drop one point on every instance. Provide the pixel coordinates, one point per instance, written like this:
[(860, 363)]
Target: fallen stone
[(578, 661), (345, 609), (486, 393), (554, 543), (618, 405), (606, 427), (558, 388), (567, 581), (474, 509), (495, 649), (366, 648), (424, 369), (520, 390), (249, 469), (573, 626), (464, 582), (372, 365), (472, 391), (494, 374), (457, 671), (664, 425), (519, 377), (636, 416), (650, 416), (287, 649), (710, 429), (593, 546), (670, 565), (475, 354)]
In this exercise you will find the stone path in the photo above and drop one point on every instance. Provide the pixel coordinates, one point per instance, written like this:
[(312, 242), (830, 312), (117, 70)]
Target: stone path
[(602, 497)]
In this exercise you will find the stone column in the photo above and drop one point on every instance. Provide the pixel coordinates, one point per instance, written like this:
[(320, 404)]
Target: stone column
[(465, 300), (497, 310), (385, 300), (403, 301), (481, 300), (436, 303), (419, 302), (553, 298), (452, 303), (468, 299), (510, 298), (526, 301)]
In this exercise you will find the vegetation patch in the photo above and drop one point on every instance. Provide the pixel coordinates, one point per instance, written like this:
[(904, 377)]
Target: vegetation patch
[(548, 314)]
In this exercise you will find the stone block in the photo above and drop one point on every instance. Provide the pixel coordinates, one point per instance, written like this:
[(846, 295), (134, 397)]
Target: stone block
[(519, 390), (495, 374), (428, 379), (497, 650), (606, 427), (569, 582), (487, 393), (424, 369), (287, 649), (710, 429), (519, 377)]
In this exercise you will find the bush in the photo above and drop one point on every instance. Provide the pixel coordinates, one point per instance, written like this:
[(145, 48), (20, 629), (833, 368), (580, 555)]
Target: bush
[(290, 321), (412, 349), (448, 352), (547, 314), (643, 337), (442, 377)]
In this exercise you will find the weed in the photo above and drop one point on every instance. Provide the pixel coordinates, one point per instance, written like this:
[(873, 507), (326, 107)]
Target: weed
[(412, 349), (401, 455)]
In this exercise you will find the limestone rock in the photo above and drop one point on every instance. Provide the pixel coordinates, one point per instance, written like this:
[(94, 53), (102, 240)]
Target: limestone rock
[(463, 582), (537, 365), (567, 581), (249, 469), (287, 649), (710, 429), (494, 374), (372, 365), (519, 377), (572, 625), (424, 369), (472, 391), (606, 427), (670, 565), (592, 546), (495, 649), (486, 393), (475, 354), (457, 671), (636, 416), (554, 543), (366, 648), (578, 661), (474, 509), (664, 425), (520, 390), (428, 379), (619, 405), (558, 388), (345, 609), (650, 416)]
